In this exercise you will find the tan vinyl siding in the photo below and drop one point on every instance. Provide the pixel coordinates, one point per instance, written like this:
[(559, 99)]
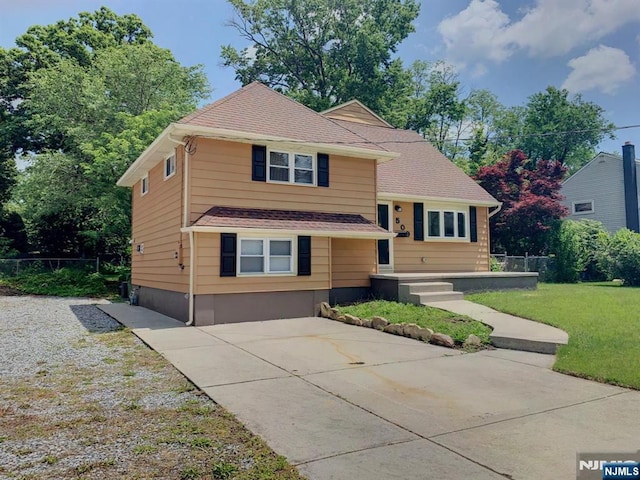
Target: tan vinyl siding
[(352, 261), (441, 256), (221, 176), (355, 113), (208, 280), (156, 224)]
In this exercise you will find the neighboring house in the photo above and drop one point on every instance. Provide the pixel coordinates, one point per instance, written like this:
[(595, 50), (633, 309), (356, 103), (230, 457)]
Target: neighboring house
[(256, 207), (606, 190)]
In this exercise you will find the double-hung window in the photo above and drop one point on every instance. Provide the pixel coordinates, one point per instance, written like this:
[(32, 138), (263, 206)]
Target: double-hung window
[(265, 256), (446, 224), (169, 166), (291, 167), (144, 184)]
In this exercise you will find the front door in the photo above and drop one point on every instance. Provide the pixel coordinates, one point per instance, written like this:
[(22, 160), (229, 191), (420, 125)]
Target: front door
[(384, 246)]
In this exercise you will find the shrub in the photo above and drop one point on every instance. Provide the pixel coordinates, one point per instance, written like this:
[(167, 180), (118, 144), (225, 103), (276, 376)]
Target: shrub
[(621, 257), (577, 247)]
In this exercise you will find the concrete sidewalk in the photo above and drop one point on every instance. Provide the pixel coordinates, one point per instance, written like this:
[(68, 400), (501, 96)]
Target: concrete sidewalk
[(346, 402), (509, 331)]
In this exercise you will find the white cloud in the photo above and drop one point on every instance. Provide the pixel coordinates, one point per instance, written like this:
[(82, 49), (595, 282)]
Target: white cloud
[(602, 68), (547, 28)]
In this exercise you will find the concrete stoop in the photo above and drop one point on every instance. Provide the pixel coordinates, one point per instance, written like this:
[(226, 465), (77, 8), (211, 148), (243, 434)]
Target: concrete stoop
[(427, 292)]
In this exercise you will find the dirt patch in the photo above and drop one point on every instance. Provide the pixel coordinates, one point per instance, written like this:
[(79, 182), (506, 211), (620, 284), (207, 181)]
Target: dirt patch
[(6, 291)]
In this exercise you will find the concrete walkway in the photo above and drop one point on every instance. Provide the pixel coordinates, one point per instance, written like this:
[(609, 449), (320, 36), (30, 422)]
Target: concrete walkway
[(348, 402), (509, 331)]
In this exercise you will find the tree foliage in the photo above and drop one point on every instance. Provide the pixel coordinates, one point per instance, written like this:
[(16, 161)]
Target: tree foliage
[(96, 95), (553, 126), (324, 52), (530, 202)]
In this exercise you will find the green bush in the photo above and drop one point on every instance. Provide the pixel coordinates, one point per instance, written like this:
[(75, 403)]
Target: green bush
[(621, 258), (577, 248), (65, 282)]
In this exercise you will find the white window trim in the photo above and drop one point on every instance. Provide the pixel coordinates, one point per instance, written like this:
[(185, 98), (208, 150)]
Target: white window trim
[(589, 212), (441, 237), (266, 255), (166, 160), (144, 181), (292, 169)]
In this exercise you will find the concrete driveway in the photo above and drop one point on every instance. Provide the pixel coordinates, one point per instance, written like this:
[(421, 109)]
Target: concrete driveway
[(343, 402)]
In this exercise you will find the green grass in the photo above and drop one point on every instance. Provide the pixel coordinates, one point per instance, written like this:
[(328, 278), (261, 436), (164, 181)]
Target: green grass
[(65, 282), (457, 327), (602, 320)]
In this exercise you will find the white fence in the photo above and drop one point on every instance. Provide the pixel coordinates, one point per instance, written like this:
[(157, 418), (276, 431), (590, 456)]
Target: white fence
[(11, 267)]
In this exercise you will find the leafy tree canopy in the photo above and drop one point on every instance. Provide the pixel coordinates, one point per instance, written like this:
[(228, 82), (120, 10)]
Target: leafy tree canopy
[(530, 202), (325, 52)]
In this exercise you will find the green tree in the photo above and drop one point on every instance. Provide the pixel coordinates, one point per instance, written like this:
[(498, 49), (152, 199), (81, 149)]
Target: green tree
[(325, 52), (553, 126), (85, 114)]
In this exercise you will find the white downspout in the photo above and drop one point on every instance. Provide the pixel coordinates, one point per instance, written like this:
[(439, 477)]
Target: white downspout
[(492, 213), (192, 257), (185, 221)]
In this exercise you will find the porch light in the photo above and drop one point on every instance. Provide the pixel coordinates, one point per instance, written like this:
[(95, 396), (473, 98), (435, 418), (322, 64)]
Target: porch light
[(398, 208)]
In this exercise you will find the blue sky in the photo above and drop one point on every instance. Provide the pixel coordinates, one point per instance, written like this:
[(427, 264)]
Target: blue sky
[(512, 47)]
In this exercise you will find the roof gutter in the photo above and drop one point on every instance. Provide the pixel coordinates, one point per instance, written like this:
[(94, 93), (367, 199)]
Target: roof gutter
[(497, 209), (417, 198), (276, 231)]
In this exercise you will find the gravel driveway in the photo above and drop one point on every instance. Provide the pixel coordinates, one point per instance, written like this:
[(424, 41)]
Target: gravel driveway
[(82, 398)]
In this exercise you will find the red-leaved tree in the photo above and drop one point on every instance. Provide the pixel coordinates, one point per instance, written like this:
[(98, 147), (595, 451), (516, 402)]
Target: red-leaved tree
[(530, 202)]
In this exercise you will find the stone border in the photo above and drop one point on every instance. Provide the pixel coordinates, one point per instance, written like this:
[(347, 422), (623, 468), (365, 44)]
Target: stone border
[(410, 330)]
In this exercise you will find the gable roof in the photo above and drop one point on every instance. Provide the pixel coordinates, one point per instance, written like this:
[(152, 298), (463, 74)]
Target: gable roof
[(356, 112), (257, 114), (600, 156), (421, 171)]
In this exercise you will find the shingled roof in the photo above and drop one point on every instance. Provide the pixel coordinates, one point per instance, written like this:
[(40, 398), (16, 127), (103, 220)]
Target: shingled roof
[(420, 170), (291, 221)]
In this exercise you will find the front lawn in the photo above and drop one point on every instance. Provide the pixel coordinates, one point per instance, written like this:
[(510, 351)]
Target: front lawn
[(602, 320), (456, 326)]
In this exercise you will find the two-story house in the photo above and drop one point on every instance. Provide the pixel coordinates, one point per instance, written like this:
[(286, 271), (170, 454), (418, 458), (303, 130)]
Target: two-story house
[(256, 207), (606, 190)]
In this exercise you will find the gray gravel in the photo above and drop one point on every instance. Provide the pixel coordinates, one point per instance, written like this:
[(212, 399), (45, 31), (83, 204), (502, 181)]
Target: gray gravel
[(44, 337)]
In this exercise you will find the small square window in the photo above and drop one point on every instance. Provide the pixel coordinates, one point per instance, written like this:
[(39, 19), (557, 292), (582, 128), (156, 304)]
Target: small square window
[(169, 166), (144, 185)]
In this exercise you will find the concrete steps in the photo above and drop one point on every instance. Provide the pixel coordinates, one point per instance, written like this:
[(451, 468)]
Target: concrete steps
[(428, 292)]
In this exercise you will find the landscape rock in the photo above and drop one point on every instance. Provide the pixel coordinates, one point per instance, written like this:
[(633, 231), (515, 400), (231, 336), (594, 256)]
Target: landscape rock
[(473, 341), (442, 340), (325, 310), (341, 318), (424, 334), (394, 328), (411, 330), (352, 320), (366, 323), (379, 323), (333, 314)]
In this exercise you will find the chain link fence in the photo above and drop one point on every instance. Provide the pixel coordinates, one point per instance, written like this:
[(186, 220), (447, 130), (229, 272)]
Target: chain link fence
[(516, 263), (11, 267)]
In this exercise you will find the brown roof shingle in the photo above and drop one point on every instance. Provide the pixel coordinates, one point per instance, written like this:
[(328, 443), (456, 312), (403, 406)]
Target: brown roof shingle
[(258, 109), (292, 220), (421, 170)]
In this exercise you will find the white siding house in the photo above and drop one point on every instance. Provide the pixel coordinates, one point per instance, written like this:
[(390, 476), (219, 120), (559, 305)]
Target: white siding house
[(597, 192)]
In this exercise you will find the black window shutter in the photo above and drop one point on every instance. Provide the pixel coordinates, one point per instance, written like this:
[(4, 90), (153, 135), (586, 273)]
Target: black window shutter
[(473, 224), (304, 256), (228, 247), (418, 221), (323, 170), (259, 163)]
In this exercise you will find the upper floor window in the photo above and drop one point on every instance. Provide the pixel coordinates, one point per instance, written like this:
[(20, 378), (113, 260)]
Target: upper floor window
[(169, 166), (144, 184), (580, 208), (446, 224), (290, 167)]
